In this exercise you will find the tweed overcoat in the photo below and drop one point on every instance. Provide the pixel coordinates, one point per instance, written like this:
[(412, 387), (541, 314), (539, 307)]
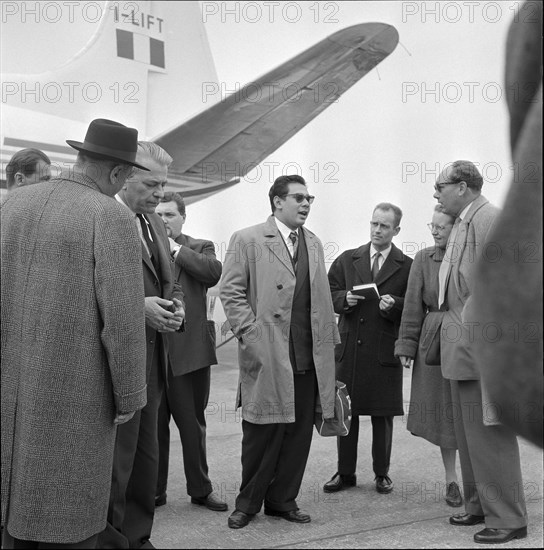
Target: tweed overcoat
[(196, 270), (73, 353), (257, 291), (365, 359), (470, 245)]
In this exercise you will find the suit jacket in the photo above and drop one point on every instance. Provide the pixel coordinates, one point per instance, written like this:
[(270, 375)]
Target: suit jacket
[(165, 287), (257, 290), (196, 270), (72, 354), (469, 246), (365, 359)]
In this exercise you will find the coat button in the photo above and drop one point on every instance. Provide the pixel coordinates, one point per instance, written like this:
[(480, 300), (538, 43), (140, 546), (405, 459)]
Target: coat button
[(359, 342), (361, 320), (155, 283), (279, 287)]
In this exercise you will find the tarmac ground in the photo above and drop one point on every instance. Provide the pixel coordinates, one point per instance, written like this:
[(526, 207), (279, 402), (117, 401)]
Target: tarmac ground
[(414, 515)]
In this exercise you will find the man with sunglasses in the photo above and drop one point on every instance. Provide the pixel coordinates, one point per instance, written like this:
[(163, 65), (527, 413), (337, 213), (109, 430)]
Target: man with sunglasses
[(276, 298), (488, 451)]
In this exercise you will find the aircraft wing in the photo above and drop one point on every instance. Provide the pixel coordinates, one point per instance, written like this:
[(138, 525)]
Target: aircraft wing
[(223, 143)]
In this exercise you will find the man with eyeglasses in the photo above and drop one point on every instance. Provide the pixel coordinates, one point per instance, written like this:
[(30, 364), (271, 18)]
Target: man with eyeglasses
[(488, 451), (276, 298), (365, 360)]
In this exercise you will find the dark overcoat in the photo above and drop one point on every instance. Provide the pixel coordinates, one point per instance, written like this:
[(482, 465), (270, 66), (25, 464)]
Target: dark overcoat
[(73, 353), (196, 270), (365, 359)]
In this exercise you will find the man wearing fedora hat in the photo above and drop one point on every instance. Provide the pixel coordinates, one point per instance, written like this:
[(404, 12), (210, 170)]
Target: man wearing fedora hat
[(73, 343), (135, 466)]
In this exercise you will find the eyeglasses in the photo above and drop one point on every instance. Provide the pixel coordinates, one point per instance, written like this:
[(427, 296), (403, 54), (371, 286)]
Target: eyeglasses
[(434, 227), (299, 197), (439, 186)]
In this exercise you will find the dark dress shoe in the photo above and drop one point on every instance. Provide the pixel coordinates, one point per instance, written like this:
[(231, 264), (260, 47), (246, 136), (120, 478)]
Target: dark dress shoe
[(291, 515), (160, 500), (497, 536), (466, 519), (453, 495), (338, 482), (239, 519), (384, 484), (211, 502)]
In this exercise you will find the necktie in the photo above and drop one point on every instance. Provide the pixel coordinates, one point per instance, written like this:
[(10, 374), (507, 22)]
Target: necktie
[(293, 237), (151, 246), (375, 266), (445, 266)]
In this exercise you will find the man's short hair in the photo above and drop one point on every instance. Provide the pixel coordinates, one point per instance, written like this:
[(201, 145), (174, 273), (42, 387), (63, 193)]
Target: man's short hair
[(397, 212), (156, 152), (280, 187), (464, 170), (25, 162), (171, 196)]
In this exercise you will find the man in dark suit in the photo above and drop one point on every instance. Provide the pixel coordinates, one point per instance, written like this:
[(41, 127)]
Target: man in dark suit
[(191, 354), (488, 451), (135, 466), (276, 298), (365, 359)]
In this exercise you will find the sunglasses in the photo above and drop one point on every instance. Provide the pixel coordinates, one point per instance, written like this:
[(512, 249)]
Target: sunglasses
[(299, 197)]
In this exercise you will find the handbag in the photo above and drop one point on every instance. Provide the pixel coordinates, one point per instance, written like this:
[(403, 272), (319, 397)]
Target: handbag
[(340, 424)]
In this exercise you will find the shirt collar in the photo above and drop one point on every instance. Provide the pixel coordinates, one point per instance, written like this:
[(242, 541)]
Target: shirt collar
[(384, 253), (465, 211), (284, 230)]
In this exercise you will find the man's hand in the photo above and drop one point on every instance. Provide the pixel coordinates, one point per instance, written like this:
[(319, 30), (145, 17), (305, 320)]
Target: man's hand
[(406, 362), (386, 302), (158, 314), (122, 418), (179, 310), (352, 299)]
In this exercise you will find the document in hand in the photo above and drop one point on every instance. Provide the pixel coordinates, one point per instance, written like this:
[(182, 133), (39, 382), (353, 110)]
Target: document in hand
[(369, 291)]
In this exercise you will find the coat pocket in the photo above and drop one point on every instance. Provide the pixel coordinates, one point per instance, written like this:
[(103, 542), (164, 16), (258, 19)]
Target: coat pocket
[(340, 348), (386, 351)]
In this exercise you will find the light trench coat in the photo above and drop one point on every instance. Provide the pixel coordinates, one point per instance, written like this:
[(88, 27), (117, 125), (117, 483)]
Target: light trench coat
[(257, 290)]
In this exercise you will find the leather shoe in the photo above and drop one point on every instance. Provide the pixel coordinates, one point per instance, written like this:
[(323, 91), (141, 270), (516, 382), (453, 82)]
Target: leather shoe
[(291, 515), (211, 502), (496, 536), (466, 519), (160, 500), (384, 484), (338, 482), (453, 495), (239, 519)]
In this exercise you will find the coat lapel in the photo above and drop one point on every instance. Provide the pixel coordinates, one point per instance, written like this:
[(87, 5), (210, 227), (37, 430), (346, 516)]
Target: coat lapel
[(361, 263), (311, 248), (462, 234), (390, 266), (276, 245)]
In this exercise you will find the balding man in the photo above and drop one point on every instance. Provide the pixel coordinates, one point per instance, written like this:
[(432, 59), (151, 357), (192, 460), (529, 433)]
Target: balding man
[(489, 454)]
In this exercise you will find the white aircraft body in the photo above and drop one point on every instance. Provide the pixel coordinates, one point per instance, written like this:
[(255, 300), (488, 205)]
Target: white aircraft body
[(149, 65)]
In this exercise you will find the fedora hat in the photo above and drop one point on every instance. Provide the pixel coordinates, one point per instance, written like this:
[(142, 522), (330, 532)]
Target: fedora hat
[(111, 140)]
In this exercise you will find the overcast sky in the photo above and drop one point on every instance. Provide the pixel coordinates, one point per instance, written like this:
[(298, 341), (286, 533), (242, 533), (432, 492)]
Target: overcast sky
[(437, 98)]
